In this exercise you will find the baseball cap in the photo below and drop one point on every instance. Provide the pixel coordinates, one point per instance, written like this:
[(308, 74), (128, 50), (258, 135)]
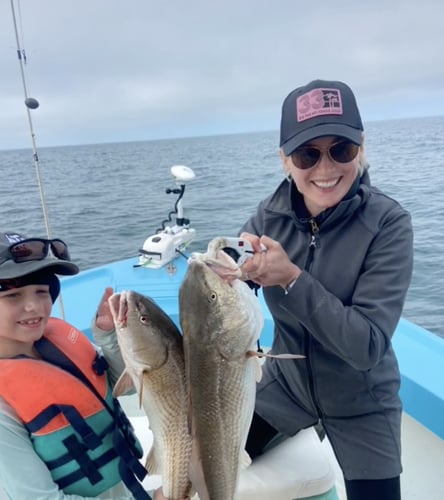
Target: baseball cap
[(318, 109), (41, 277), (47, 258)]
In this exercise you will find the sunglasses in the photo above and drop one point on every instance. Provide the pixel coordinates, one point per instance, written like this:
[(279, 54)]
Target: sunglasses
[(37, 249), (308, 156)]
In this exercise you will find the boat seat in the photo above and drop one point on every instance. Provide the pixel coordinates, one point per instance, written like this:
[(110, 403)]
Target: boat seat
[(296, 468)]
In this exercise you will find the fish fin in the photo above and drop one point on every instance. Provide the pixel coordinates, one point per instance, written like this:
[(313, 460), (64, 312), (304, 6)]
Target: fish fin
[(286, 355), (151, 464), (245, 460), (278, 356), (123, 385)]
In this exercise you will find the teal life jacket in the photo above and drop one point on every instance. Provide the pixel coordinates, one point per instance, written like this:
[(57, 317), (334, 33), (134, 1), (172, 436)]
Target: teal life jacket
[(76, 426)]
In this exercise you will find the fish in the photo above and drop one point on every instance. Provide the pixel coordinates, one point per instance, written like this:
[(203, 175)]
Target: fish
[(217, 257), (221, 320), (152, 350)]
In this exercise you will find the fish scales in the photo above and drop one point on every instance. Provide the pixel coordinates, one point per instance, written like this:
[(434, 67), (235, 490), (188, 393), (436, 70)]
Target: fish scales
[(152, 350), (165, 405), (222, 416), (221, 323)]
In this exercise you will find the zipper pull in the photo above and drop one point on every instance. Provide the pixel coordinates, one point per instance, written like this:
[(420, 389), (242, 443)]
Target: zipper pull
[(312, 241), (314, 233), (314, 226)]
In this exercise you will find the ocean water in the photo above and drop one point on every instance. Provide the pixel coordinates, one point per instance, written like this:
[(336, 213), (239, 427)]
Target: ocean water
[(105, 199)]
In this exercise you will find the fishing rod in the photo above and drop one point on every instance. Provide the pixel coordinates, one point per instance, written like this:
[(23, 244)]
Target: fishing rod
[(31, 104)]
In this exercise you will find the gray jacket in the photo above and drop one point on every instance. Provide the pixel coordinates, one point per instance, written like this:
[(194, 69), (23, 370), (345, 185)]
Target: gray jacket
[(343, 309)]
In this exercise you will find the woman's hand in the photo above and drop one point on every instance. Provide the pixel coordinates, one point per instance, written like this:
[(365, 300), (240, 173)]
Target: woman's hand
[(104, 318), (268, 267)]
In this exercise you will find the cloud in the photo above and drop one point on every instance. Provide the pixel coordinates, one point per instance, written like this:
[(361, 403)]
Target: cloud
[(107, 70)]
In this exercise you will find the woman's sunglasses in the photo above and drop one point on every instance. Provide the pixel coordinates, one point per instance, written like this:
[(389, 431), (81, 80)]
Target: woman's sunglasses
[(37, 249), (308, 156)]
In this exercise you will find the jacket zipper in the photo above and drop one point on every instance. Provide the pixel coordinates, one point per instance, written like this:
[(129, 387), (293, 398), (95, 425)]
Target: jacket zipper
[(314, 243)]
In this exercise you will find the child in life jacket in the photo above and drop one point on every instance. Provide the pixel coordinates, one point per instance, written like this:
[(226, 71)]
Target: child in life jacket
[(62, 434)]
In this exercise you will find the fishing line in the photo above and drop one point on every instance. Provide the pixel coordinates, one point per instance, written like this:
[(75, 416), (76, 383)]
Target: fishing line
[(31, 103)]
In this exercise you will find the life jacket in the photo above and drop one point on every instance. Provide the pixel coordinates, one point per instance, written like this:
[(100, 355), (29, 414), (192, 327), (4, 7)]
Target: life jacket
[(76, 426)]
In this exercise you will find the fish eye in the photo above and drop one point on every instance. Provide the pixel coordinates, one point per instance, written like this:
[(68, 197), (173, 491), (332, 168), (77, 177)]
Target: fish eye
[(143, 318), (212, 297)]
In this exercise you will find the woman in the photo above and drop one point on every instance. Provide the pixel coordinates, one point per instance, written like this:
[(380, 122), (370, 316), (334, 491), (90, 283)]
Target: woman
[(62, 434), (335, 273)]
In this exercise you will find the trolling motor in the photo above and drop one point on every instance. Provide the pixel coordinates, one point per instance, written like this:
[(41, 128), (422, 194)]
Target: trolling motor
[(169, 241)]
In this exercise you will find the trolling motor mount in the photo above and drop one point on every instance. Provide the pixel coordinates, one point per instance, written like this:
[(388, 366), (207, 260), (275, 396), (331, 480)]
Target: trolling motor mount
[(169, 241)]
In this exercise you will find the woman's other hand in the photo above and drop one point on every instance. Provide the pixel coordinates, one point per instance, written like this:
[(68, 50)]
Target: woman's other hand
[(270, 264)]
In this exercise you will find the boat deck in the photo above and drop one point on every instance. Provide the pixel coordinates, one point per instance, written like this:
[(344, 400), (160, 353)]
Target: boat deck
[(423, 462), (423, 458)]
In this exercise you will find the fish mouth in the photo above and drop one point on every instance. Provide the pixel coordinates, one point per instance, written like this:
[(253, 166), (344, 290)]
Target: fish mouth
[(218, 261), (118, 304)]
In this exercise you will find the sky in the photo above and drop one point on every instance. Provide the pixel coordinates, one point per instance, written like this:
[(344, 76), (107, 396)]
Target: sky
[(129, 70)]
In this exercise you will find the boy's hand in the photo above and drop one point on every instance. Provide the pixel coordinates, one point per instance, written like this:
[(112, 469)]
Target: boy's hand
[(104, 318)]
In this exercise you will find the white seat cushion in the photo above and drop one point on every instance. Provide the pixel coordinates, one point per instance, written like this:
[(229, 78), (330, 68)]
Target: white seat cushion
[(295, 468)]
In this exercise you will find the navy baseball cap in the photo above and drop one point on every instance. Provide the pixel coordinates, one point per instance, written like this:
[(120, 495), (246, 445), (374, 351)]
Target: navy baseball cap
[(20, 256), (318, 109)]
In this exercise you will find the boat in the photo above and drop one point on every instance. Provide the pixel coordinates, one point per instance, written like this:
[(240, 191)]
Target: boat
[(304, 466)]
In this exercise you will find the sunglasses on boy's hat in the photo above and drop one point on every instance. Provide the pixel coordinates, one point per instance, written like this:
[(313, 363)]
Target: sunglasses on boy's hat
[(342, 151), (20, 256), (36, 249)]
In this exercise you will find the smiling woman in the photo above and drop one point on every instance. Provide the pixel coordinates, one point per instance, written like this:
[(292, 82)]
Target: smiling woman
[(324, 170), (323, 164), (335, 276)]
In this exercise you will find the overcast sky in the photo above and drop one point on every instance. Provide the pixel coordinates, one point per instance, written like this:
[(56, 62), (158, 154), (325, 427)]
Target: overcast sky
[(122, 70)]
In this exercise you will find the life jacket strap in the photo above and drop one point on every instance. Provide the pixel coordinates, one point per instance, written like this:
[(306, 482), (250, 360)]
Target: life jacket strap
[(127, 429), (125, 442), (127, 475), (92, 473), (79, 453), (89, 437), (100, 364)]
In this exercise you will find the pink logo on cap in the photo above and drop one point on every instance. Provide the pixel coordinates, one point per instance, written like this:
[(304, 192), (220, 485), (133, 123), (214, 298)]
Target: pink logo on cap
[(318, 102)]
